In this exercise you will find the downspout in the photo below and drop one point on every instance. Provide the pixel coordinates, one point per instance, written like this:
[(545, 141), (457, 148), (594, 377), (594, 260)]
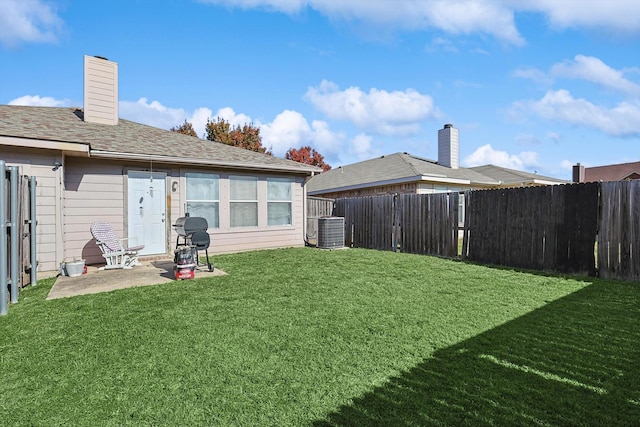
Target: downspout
[(33, 253), (305, 210)]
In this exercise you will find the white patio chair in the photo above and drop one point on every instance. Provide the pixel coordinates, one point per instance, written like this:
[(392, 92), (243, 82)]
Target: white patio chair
[(114, 252)]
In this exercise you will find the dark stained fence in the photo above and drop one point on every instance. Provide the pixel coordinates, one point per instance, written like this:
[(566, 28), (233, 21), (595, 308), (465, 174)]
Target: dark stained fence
[(619, 235), (549, 228), (414, 223), (428, 223), (368, 221)]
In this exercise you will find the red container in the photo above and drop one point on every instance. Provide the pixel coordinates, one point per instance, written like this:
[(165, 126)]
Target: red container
[(184, 272)]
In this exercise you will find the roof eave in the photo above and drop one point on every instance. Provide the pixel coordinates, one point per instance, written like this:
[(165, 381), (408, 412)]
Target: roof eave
[(70, 148), (403, 180), (203, 162)]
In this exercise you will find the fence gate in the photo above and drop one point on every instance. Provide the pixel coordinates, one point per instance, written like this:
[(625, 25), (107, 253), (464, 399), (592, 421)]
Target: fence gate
[(18, 245)]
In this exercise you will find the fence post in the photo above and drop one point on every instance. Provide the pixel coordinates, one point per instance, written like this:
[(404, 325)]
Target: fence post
[(13, 218), (3, 240)]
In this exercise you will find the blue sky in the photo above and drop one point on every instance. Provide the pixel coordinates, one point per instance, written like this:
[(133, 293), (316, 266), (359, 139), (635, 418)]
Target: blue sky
[(536, 85)]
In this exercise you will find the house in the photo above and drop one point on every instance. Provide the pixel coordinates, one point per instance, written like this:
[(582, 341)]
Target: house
[(90, 166), (405, 173), (617, 172)]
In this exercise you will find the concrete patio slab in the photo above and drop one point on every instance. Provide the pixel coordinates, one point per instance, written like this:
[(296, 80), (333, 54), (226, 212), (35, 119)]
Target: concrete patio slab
[(96, 281)]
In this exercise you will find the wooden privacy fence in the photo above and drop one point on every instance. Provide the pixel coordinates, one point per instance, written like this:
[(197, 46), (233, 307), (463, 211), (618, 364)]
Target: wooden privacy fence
[(428, 223), (619, 233), (553, 228), (17, 233), (414, 223), (550, 228)]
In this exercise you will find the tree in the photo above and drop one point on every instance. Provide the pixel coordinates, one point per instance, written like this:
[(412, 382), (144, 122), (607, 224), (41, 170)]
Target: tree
[(308, 156), (246, 136), (185, 128)]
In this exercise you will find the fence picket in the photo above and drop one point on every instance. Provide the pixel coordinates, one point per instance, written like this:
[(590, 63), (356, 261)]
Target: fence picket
[(550, 228)]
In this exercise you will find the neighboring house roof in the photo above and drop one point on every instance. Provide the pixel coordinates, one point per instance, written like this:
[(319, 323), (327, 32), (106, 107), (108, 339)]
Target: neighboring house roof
[(393, 169), (616, 172), (511, 177), (402, 168), (21, 125)]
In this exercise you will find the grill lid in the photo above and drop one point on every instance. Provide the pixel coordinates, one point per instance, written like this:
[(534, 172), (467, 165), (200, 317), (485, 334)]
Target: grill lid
[(188, 225)]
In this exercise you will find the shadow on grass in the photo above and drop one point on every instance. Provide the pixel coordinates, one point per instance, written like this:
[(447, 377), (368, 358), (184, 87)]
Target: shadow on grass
[(574, 361)]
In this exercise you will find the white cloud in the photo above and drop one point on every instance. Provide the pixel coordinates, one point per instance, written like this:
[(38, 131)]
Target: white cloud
[(152, 113), (566, 165), (611, 15), (199, 120), (441, 44), (397, 112), (533, 74), (361, 147), (290, 129), (40, 101), (560, 105), (554, 137), (451, 16), (28, 21), (492, 17), (594, 70), (487, 155), (234, 119), (527, 139)]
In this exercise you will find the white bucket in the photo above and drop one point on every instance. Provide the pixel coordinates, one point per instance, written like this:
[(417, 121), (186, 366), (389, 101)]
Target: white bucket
[(74, 268)]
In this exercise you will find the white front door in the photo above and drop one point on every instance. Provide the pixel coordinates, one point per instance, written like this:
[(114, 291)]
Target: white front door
[(147, 212)]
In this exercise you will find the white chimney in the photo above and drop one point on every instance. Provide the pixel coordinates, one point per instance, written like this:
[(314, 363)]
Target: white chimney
[(100, 90), (449, 147)]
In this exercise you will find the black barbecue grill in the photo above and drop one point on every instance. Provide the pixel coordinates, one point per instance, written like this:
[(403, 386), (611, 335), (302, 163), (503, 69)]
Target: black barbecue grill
[(192, 232)]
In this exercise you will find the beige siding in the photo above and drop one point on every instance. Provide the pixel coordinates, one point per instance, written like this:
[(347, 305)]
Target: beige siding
[(100, 91), (39, 163), (226, 239), (93, 191), (85, 190)]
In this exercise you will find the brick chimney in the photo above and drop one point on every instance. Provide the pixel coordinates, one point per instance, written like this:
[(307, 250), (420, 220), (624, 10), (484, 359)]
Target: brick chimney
[(449, 147), (100, 90)]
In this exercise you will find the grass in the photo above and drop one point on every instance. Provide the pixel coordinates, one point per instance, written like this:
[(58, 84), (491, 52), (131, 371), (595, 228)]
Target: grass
[(328, 338)]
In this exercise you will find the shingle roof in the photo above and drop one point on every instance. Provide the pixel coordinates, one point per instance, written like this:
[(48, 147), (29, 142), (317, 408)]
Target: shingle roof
[(512, 176), (396, 168), (612, 172), (130, 138)]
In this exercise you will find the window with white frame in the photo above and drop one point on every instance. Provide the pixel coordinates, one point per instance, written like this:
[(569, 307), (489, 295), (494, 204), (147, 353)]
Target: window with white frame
[(243, 201), (203, 197), (279, 201)]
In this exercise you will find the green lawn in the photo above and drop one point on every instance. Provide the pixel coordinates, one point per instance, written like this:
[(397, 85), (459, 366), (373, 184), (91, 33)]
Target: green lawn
[(347, 337)]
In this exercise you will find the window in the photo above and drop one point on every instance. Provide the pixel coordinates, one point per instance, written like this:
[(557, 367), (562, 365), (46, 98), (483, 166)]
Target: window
[(278, 201), (203, 197), (243, 201)]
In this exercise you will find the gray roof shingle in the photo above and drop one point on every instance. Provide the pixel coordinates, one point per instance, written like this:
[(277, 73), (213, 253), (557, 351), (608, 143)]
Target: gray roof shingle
[(403, 167), (130, 138), (513, 176), (398, 167)]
